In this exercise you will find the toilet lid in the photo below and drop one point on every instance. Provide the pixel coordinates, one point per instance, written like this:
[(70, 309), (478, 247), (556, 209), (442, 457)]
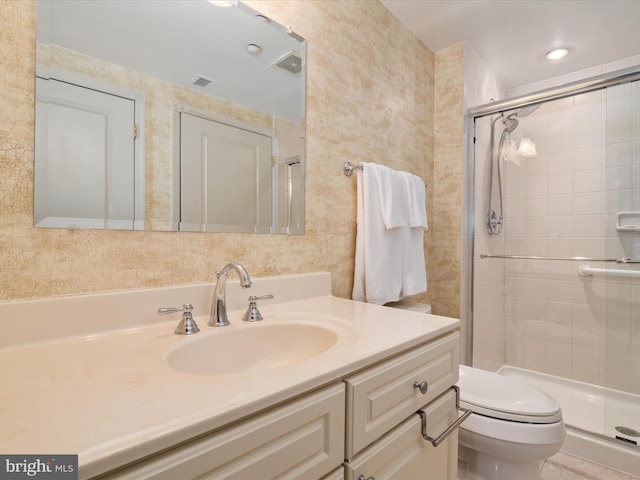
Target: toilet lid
[(502, 397)]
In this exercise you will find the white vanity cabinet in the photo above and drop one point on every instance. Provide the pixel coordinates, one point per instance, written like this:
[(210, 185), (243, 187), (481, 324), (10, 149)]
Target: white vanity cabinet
[(302, 439), (384, 433), (363, 427), (129, 413)]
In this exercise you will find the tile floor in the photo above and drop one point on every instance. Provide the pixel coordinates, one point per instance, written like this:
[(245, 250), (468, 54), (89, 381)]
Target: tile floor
[(563, 466)]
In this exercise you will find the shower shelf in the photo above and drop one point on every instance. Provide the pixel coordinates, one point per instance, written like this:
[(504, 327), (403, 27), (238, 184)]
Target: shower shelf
[(628, 222)]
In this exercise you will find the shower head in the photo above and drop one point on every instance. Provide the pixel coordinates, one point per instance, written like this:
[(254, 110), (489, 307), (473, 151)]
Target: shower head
[(510, 123)]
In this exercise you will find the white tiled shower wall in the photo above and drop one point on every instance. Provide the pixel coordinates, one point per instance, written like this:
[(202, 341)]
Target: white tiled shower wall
[(480, 87), (563, 203)]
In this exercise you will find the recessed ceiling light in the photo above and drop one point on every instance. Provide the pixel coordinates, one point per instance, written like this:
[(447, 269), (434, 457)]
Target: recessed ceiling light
[(254, 49), (557, 53)]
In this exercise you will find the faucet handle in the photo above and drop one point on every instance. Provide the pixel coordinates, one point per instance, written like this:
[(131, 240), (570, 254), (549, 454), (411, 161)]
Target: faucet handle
[(253, 314), (187, 325)]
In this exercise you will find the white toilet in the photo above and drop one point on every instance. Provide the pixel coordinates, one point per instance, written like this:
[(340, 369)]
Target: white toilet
[(512, 430)]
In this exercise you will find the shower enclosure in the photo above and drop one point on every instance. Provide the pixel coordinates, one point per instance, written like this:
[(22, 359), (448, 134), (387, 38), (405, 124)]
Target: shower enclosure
[(556, 249)]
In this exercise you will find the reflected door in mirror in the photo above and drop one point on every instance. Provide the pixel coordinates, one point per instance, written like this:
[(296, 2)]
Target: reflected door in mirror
[(226, 177), (88, 157)]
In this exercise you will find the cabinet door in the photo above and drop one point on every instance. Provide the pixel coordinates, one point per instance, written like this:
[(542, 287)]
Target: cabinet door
[(381, 397), (403, 454), (301, 439)]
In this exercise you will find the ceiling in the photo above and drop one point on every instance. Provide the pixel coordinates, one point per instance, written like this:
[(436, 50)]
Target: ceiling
[(512, 36)]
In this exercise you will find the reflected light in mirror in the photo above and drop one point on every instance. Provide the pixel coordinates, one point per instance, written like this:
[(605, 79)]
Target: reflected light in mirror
[(223, 3)]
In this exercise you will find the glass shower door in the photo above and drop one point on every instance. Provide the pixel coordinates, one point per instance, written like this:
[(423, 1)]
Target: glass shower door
[(620, 365)]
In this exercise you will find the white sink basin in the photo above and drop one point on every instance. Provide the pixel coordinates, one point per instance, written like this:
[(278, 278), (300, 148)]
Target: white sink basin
[(250, 348)]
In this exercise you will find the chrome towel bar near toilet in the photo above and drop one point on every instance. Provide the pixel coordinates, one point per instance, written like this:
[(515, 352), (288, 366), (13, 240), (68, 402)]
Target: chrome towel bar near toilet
[(440, 438), (423, 387)]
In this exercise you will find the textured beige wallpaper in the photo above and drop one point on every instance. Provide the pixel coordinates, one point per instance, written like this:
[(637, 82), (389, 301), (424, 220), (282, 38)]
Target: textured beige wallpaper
[(370, 98), (446, 252)]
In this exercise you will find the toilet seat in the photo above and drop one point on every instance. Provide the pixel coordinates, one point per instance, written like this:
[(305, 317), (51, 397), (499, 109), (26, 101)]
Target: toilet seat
[(496, 396)]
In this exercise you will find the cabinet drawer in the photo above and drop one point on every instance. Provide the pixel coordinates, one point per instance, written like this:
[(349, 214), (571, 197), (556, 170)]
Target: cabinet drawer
[(381, 397), (337, 474), (302, 439), (404, 454)]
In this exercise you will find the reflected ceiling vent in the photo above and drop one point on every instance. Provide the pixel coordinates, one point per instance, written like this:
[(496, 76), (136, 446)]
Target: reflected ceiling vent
[(291, 62), (293, 34), (202, 82)]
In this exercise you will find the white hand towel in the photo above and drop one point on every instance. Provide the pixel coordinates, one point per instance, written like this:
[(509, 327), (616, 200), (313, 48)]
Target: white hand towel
[(414, 270), (416, 200), (378, 267), (389, 263), (392, 195), (414, 273)]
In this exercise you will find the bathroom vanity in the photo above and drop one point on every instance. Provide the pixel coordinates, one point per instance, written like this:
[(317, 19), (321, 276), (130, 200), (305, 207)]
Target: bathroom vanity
[(141, 402)]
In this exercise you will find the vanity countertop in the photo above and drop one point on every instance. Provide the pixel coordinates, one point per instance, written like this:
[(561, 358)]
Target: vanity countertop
[(112, 399)]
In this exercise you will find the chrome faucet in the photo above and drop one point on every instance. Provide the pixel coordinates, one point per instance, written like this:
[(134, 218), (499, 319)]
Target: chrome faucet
[(218, 317)]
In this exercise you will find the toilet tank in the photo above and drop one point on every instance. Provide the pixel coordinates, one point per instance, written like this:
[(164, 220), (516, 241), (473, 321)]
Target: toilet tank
[(410, 305)]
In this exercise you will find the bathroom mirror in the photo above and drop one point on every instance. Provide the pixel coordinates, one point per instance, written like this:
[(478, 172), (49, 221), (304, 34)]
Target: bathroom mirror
[(119, 84)]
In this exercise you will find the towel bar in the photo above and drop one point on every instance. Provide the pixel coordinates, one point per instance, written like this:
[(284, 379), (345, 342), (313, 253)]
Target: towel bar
[(349, 167)]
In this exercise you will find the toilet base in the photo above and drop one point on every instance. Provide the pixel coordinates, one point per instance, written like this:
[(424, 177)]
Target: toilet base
[(480, 466)]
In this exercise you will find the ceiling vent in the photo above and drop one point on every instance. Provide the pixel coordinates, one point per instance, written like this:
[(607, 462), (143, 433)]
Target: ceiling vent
[(291, 62), (202, 82)]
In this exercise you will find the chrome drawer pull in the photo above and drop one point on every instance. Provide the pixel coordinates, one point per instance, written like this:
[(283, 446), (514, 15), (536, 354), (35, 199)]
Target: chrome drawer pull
[(422, 386), (437, 441), (362, 477)]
